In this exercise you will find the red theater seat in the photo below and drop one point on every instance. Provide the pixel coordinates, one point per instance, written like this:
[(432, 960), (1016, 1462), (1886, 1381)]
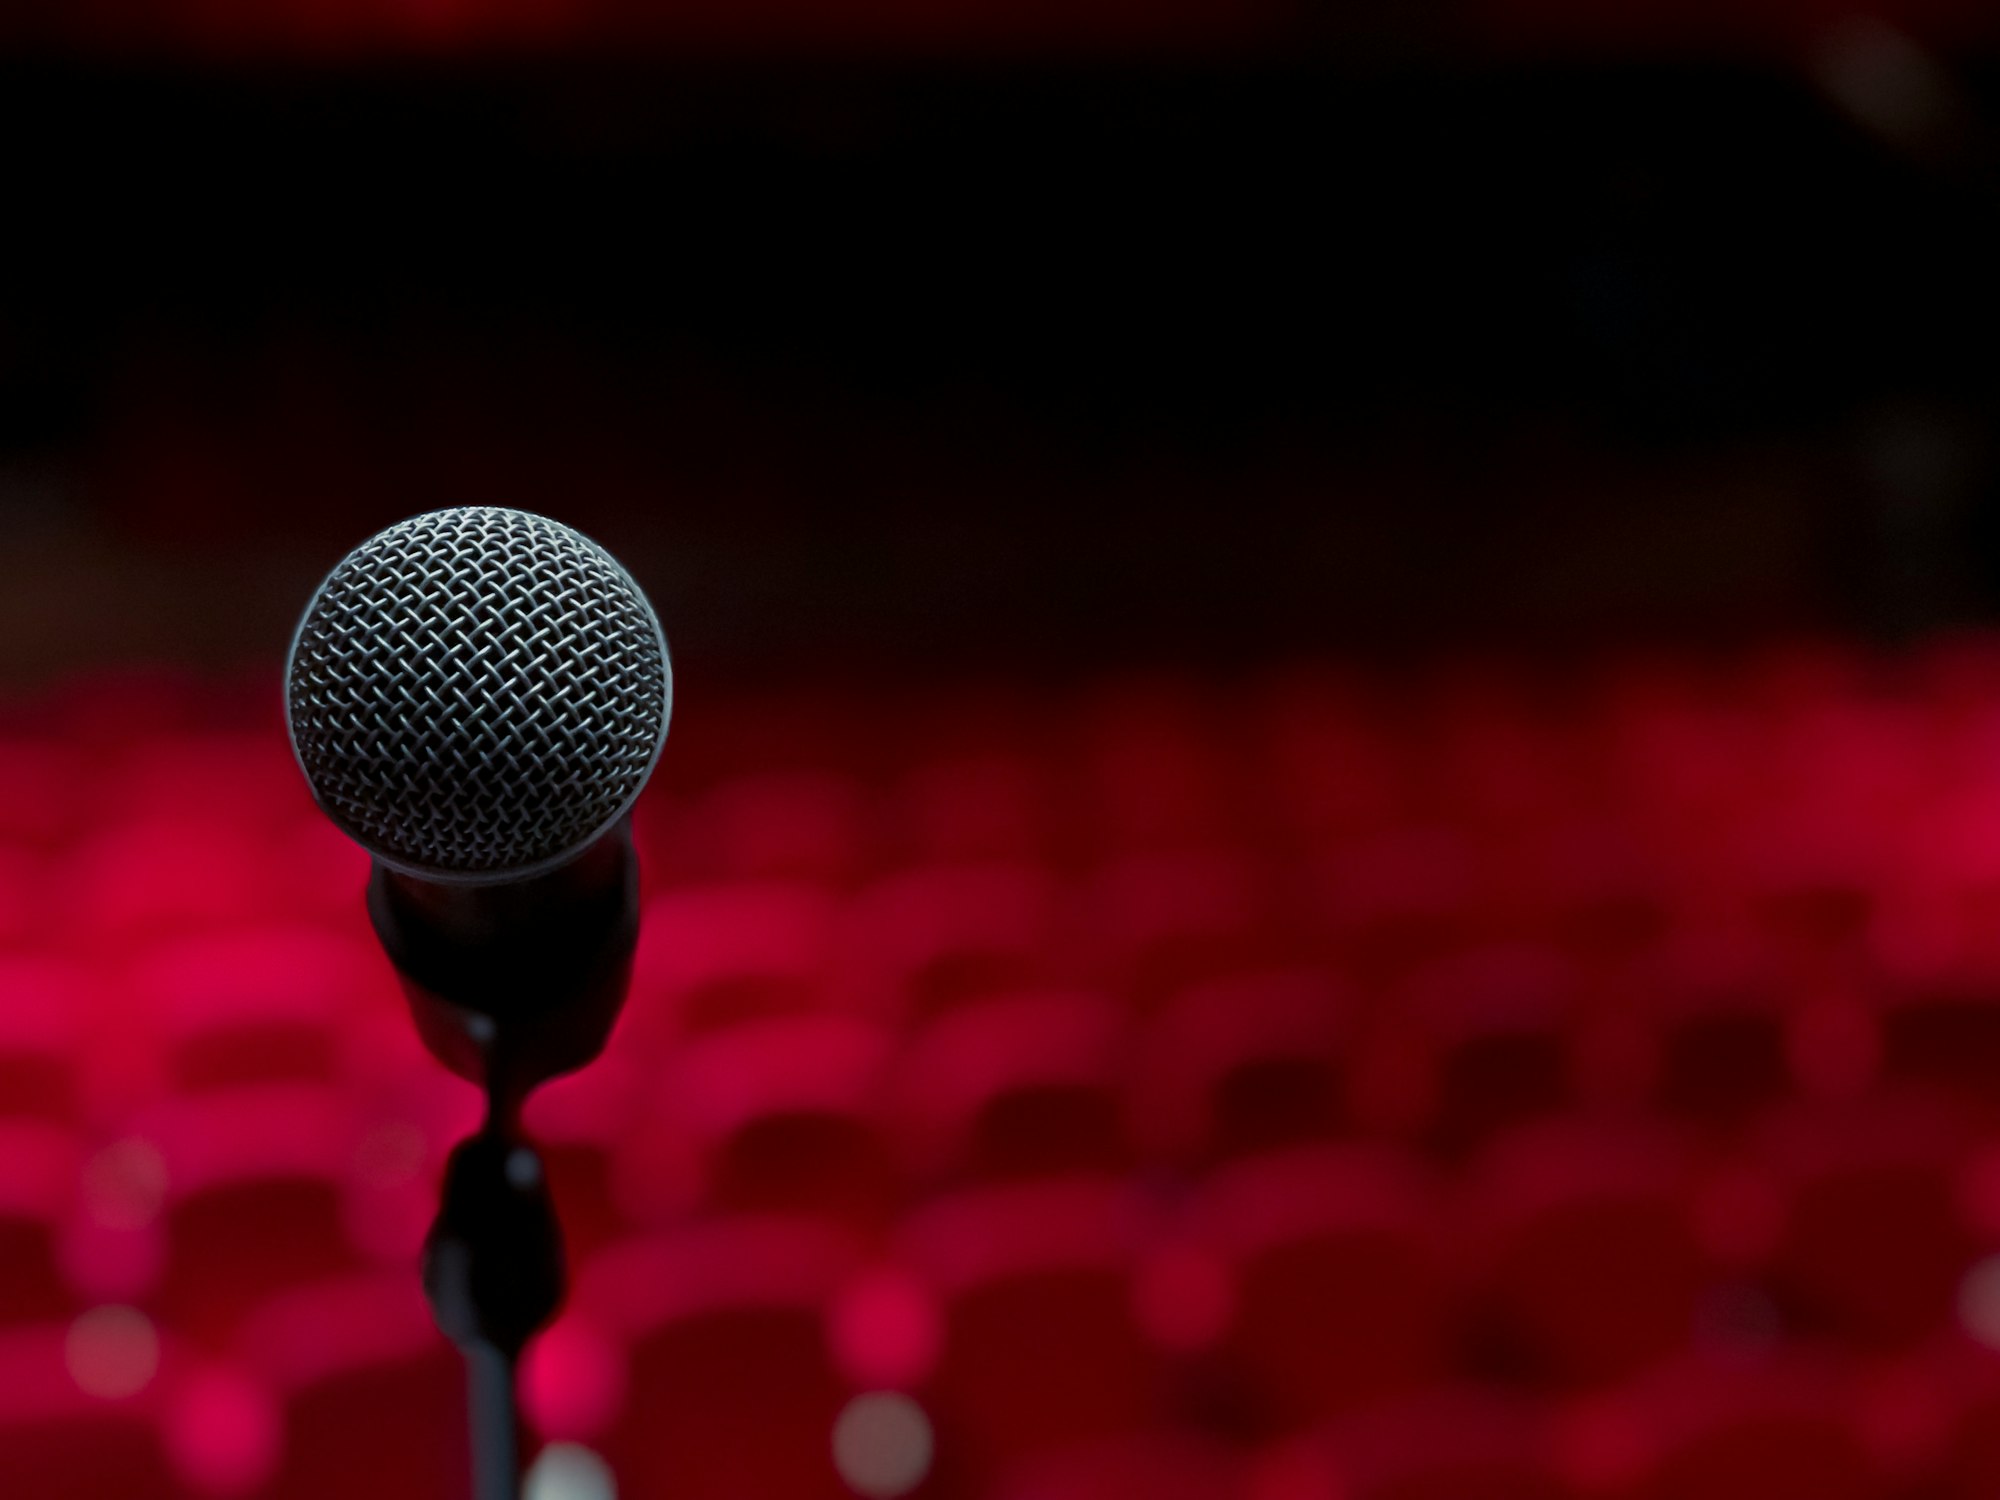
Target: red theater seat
[(777, 1115), (225, 774), (373, 1397), (264, 1004), (1023, 1270), (58, 1440), (1394, 898), (712, 955), (1154, 1466), (1586, 1262), (23, 895), (1489, 749), (164, 874), (1470, 1044), (261, 1187), (1720, 1025), (39, 1167), (1330, 767), (1709, 1429), (44, 788), (1876, 1231), (1154, 774), (1243, 1064), (1936, 1415), (47, 1009), (808, 825), (1017, 1085), (1341, 1289), (1153, 924), (1455, 1443), (580, 1123), (924, 939), (730, 1390), (985, 805)]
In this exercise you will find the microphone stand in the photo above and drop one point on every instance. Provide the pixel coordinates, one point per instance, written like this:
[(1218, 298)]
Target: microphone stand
[(509, 985), (493, 1270)]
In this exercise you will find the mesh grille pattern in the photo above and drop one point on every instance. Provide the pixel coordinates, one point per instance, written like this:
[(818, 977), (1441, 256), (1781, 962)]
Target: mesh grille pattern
[(477, 692)]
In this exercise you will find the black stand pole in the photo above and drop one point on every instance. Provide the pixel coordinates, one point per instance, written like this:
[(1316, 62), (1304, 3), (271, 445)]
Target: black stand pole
[(509, 986), (493, 1269)]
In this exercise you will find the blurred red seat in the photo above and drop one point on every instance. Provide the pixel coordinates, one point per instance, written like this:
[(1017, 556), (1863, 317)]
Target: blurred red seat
[(59, 1439), (985, 805), (39, 1167), (1341, 1290), (1934, 1414), (1166, 1465), (43, 786), (1489, 749), (1016, 1085), (1153, 771), (373, 1398), (1875, 1230), (1470, 1044), (235, 775), (1712, 1429), (1244, 1064), (1586, 882), (1330, 766), (263, 1185), (1394, 898), (1153, 924), (1726, 1033), (730, 1390), (165, 874), (1451, 1443), (258, 1004), (924, 939), (806, 825), (1043, 1346), (1584, 1252), (779, 1114), (47, 1009), (24, 913), (714, 954)]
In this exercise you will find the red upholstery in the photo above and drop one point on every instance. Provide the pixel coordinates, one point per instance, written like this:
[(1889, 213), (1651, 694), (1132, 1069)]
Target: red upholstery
[(1587, 1259), (730, 1388), (1736, 1430), (1020, 1270), (1341, 1288), (1181, 1085)]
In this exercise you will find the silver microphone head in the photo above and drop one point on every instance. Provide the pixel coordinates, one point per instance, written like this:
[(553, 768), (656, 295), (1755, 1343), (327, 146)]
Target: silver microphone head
[(477, 694)]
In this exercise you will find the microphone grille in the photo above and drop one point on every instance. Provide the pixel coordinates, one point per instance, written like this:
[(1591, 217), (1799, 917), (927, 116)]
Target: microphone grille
[(477, 693)]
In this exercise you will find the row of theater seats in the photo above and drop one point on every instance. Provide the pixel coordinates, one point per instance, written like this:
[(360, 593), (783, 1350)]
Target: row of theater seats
[(728, 1381), (1304, 1086)]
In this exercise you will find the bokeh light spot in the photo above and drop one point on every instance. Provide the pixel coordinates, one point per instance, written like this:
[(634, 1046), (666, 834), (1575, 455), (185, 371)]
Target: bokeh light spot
[(882, 1444), (569, 1471), (1979, 1302), (124, 1185), (112, 1352)]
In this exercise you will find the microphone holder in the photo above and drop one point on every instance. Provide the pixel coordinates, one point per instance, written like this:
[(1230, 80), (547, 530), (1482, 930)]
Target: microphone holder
[(509, 985)]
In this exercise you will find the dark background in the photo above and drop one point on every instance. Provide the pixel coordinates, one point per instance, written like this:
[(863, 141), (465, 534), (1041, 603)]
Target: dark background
[(1037, 340)]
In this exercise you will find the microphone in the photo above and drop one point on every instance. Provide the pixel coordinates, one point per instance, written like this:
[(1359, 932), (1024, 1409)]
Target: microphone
[(477, 696)]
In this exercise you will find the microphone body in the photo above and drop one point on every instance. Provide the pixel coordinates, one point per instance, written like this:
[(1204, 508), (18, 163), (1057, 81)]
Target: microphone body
[(512, 984)]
